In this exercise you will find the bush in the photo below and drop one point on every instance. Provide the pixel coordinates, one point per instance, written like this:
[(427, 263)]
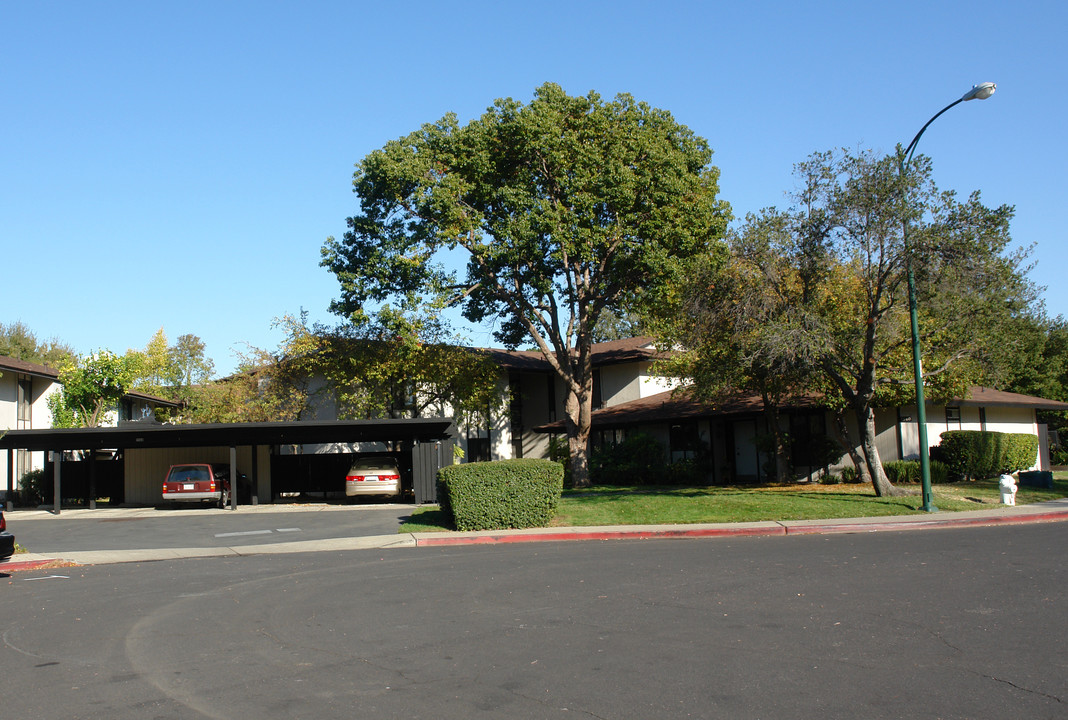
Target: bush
[(980, 454), (503, 494), (638, 460), (34, 489), (908, 471), (849, 474), (902, 471)]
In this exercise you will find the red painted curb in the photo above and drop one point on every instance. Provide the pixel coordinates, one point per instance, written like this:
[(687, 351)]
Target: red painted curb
[(446, 540), (27, 565), (934, 523), (729, 531)]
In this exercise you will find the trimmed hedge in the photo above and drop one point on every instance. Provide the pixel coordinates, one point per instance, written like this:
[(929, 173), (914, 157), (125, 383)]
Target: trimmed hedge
[(908, 471), (981, 454), (503, 494)]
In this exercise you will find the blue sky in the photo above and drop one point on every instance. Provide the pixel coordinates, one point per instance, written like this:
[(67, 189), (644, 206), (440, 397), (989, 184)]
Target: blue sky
[(179, 165)]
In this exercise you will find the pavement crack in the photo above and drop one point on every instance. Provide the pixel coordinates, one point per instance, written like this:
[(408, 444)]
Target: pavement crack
[(1021, 688)]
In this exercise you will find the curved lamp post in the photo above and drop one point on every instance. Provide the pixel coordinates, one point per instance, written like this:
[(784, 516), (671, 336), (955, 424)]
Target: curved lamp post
[(978, 92)]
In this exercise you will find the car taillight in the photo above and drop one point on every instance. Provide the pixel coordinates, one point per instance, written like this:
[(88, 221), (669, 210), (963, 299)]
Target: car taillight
[(212, 486), (3, 523), (354, 478), (164, 488)]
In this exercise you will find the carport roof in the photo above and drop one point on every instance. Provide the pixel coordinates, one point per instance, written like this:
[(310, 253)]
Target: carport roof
[(230, 434)]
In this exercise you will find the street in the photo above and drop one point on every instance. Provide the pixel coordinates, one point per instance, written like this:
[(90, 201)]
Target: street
[(965, 623)]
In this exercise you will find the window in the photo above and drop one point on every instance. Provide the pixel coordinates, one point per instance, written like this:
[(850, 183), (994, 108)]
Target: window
[(808, 440), (685, 441), (953, 416), (515, 412), (24, 401), (478, 449)]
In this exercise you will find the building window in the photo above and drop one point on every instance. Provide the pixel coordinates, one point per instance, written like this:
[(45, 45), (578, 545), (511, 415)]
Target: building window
[(24, 401), (685, 441), (551, 383), (808, 440), (515, 413), (953, 416), (478, 449)]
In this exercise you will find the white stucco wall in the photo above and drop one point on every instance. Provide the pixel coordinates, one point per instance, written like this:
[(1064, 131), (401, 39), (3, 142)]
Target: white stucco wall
[(632, 381), (40, 419)]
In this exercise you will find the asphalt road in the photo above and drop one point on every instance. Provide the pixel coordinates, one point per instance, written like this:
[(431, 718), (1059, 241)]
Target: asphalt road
[(192, 527), (965, 623)]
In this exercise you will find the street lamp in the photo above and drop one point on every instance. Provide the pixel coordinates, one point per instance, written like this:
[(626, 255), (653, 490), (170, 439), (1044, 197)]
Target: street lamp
[(978, 92)]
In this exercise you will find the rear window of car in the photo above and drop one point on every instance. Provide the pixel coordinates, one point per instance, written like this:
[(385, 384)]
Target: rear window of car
[(189, 473), (375, 465)]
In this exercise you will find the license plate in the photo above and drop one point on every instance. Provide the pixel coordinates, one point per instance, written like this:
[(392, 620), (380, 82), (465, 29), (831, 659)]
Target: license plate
[(189, 486), (371, 478)]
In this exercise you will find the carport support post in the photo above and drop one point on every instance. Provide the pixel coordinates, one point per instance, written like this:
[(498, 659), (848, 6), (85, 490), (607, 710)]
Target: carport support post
[(233, 477), (92, 480), (57, 485), (255, 475), (10, 477)]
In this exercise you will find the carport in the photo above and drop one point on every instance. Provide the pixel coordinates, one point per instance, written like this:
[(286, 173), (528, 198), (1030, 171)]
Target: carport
[(144, 447)]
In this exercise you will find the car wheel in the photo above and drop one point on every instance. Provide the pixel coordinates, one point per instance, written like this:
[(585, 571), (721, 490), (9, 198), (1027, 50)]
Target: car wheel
[(224, 499)]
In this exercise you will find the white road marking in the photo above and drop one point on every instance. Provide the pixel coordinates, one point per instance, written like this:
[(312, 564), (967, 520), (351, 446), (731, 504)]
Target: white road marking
[(257, 532)]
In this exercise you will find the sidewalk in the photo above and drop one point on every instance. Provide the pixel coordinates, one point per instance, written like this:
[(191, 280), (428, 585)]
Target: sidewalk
[(1052, 511)]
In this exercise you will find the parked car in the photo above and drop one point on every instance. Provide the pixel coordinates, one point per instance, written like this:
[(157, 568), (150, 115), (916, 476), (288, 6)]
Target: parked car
[(190, 482), (7, 540), (373, 476)]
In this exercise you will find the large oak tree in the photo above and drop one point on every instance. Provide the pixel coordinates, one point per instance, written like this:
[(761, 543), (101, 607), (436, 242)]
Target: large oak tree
[(563, 208)]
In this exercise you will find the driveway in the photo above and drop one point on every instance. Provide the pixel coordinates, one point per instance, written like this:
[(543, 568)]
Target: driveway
[(120, 529)]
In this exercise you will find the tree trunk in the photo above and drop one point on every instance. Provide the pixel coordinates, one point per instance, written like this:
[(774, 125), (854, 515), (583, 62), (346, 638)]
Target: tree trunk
[(881, 484), (579, 411)]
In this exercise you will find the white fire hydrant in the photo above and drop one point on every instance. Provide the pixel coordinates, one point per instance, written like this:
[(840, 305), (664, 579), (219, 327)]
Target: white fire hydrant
[(1008, 489)]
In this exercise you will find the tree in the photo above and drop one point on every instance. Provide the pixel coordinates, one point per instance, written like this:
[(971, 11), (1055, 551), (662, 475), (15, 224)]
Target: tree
[(563, 208), (153, 373), (392, 367), (170, 371), (91, 387), (834, 270), (18, 341), (611, 326), (735, 321), (402, 366), (188, 361)]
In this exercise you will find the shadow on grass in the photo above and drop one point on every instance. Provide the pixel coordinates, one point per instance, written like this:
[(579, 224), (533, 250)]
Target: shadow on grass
[(427, 520)]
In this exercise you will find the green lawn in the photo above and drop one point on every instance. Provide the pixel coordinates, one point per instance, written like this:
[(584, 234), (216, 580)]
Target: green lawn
[(656, 505)]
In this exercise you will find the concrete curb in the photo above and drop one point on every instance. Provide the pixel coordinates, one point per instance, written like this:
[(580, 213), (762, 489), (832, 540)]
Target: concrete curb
[(1053, 511)]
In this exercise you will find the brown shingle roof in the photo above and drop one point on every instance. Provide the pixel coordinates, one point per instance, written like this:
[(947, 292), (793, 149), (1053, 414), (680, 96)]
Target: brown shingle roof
[(988, 397), (606, 353), (681, 405), (674, 405), (22, 366)]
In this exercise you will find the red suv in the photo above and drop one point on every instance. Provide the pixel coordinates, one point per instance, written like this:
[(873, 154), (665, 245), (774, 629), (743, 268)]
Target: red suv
[(198, 481)]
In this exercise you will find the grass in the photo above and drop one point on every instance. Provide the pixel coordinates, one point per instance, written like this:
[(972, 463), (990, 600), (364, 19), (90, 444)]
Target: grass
[(659, 505)]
